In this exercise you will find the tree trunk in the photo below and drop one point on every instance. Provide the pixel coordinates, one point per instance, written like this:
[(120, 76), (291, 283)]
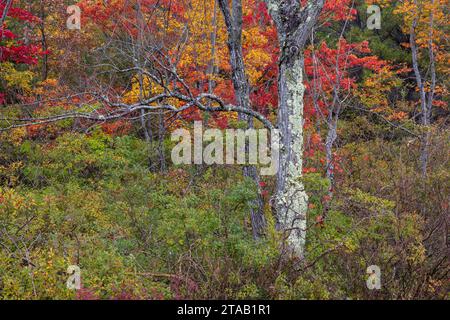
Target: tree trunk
[(291, 199), (294, 23), (426, 98), (331, 139), (233, 21)]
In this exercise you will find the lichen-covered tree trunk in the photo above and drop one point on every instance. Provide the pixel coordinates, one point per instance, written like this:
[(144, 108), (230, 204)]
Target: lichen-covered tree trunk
[(294, 21), (291, 199)]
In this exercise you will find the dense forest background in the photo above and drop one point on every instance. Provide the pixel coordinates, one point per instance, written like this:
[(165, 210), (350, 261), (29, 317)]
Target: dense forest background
[(84, 183)]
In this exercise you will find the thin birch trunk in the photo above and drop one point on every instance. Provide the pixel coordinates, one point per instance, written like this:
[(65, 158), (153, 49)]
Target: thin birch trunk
[(426, 99)]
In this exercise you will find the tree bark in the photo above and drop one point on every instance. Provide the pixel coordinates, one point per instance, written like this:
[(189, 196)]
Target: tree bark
[(294, 23), (233, 22), (291, 198), (3, 18), (140, 64), (426, 99)]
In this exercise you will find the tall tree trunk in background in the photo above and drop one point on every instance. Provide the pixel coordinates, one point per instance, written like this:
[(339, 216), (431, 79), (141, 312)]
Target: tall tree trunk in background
[(7, 4), (233, 21), (426, 98), (332, 123), (139, 62), (212, 62), (42, 16), (428, 115), (294, 23)]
